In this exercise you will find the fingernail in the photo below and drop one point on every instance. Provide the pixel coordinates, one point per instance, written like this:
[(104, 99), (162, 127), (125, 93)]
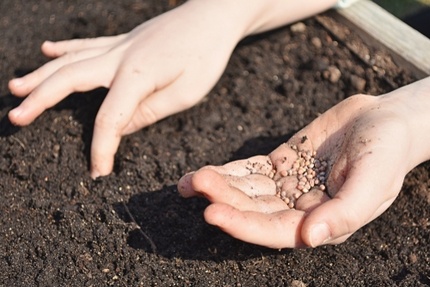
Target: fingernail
[(15, 112), (17, 82), (95, 174), (320, 234)]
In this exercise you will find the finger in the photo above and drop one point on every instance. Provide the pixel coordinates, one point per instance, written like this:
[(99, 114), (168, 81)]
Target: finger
[(171, 94), (59, 48), (283, 157), (233, 170), (229, 193), (184, 186), (259, 164), (217, 190), (360, 200), (287, 190), (76, 77), (25, 85), (254, 165), (127, 90), (311, 200), (274, 230), (174, 92), (252, 185)]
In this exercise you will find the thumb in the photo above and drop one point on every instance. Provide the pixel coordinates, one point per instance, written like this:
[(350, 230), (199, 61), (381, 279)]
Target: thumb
[(362, 197)]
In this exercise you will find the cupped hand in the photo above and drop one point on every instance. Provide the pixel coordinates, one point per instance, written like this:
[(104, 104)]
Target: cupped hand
[(367, 145), (152, 72)]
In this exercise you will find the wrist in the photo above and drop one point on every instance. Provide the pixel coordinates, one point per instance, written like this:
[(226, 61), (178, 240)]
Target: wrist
[(413, 104), (248, 17)]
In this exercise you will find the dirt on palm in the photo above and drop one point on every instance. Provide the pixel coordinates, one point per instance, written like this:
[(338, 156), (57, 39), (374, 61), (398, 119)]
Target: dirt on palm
[(60, 228)]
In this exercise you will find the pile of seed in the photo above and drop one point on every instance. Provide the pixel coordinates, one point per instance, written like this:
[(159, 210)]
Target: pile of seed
[(310, 171)]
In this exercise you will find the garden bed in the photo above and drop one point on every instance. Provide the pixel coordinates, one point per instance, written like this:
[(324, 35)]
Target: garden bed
[(60, 228)]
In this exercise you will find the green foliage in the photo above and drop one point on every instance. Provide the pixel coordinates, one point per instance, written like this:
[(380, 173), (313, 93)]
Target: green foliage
[(402, 8)]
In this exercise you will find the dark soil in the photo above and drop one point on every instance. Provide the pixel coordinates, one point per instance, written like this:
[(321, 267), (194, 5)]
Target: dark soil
[(60, 228)]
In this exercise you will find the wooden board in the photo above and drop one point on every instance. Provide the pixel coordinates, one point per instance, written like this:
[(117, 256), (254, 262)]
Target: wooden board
[(410, 46)]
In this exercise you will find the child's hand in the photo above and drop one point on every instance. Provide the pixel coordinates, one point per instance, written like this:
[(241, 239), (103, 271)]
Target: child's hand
[(152, 72), (162, 67), (370, 144)]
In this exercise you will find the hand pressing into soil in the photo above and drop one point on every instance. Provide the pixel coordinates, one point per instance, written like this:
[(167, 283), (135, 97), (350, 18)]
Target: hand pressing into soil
[(151, 74), (369, 144), (153, 71)]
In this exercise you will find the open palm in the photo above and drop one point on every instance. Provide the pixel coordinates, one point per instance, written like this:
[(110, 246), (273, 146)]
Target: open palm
[(366, 145)]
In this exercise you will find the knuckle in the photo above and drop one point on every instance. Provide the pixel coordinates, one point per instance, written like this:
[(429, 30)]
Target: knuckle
[(147, 115), (362, 98), (104, 122), (70, 57), (64, 71)]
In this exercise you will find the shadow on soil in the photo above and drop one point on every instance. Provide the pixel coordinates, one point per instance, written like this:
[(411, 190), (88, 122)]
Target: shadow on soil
[(172, 226), (84, 107)]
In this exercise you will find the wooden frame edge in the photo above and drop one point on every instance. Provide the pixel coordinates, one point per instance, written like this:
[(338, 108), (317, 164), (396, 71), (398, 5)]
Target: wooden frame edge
[(410, 47)]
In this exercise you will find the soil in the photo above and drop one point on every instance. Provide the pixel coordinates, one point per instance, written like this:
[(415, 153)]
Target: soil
[(60, 228)]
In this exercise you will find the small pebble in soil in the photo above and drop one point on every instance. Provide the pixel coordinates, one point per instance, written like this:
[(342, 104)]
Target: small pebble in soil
[(299, 27), (316, 42), (357, 82), (332, 74), (310, 172), (297, 283)]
